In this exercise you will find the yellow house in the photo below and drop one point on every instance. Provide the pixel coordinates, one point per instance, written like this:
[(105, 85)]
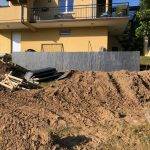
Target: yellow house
[(61, 25)]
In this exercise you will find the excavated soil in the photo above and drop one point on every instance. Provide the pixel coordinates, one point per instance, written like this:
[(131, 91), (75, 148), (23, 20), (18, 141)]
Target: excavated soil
[(89, 110)]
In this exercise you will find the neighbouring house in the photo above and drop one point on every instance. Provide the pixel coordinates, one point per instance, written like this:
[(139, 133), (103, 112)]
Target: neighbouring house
[(61, 25)]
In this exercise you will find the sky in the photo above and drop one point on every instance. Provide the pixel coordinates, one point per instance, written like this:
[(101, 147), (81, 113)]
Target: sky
[(132, 2)]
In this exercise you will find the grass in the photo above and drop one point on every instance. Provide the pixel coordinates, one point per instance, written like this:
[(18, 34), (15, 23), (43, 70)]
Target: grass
[(145, 60), (130, 137)]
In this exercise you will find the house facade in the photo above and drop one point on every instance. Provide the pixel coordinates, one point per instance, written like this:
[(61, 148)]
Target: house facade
[(61, 25)]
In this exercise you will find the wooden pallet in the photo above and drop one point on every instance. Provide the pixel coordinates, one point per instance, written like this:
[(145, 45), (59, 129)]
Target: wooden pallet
[(10, 82)]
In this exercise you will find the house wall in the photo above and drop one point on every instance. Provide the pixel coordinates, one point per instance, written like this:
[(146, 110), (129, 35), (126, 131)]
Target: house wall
[(80, 39), (79, 10), (5, 42), (10, 14), (13, 13), (43, 3)]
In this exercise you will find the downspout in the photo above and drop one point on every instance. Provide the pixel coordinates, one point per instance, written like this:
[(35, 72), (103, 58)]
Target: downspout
[(26, 23)]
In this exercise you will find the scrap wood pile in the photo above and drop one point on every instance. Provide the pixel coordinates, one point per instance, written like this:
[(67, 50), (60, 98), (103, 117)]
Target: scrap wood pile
[(11, 82), (88, 110), (14, 77)]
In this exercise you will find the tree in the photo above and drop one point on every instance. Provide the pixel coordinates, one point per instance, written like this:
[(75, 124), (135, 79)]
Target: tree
[(145, 3), (143, 30)]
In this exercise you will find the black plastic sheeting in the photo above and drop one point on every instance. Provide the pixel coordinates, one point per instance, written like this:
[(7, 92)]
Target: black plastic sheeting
[(44, 74)]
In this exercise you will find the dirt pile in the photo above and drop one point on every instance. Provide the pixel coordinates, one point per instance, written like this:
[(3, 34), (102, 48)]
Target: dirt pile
[(90, 110)]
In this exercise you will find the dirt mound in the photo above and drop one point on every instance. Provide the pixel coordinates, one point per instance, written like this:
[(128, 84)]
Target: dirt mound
[(90, 110)]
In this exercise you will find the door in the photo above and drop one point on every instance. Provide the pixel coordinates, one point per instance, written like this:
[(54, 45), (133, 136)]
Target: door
[(16, 42)]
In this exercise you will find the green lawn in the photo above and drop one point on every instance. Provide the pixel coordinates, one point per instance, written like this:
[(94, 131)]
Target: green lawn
[(145, 60)]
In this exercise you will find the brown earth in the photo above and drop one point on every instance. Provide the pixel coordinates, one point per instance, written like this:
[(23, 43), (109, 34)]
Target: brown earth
[(89, 110)]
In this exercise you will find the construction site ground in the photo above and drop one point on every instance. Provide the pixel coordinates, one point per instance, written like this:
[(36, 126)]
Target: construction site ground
[(88, 111)]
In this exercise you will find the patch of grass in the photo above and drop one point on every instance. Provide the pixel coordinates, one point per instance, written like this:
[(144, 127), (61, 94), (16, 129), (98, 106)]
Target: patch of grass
[(145, 60), (130, 137), (142, 132), (47, 83)]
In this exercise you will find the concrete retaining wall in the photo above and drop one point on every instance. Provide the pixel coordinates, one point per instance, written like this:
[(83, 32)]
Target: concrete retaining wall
[(84, 61)]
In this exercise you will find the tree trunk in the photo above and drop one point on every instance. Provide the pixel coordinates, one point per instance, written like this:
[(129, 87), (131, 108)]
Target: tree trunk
[(145, 45)]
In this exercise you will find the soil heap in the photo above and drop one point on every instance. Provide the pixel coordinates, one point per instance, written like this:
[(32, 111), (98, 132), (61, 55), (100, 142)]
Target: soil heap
[(89, 110)]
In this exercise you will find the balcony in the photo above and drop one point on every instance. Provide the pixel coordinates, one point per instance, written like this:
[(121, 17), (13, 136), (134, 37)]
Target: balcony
[(83, 12), (10, 17)]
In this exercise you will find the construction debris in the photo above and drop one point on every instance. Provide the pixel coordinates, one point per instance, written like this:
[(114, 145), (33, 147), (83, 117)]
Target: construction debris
[(11, 82), (41, 75), (14, 77), (66, 74), (5, 57)]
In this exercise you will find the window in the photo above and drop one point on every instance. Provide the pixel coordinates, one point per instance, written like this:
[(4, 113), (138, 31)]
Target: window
[(4, 3), (66, 5)]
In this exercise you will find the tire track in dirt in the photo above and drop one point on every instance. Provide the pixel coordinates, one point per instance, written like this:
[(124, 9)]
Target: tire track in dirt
[(126, 85), (115, 84), (145, 79)]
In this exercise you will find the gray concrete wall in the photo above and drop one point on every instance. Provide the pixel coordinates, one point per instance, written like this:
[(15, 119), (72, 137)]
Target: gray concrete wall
[(84, 61)]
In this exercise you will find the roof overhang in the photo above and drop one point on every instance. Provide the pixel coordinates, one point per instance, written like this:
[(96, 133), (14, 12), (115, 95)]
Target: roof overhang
[(116, 25), (12, 25)]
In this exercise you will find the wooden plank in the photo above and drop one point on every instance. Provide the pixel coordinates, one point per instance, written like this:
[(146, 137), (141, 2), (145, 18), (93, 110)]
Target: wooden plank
[(11, 82), (6, 86), (15, 78)]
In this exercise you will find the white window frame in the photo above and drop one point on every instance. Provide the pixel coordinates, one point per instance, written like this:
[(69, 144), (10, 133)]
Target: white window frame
[(66, 6)]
